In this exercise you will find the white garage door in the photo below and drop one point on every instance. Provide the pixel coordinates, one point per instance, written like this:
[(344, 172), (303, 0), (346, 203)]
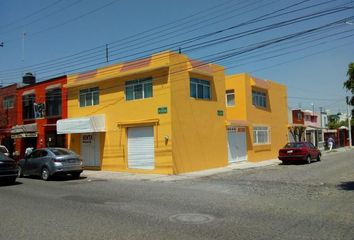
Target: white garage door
[(141, 148), (237, 147)]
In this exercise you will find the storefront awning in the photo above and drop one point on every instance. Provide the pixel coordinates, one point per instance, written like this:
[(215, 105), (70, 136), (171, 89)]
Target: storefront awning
[(81, 125), (26, 130)]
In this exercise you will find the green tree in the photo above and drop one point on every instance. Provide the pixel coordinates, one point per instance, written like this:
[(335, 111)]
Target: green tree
[(349, 84)]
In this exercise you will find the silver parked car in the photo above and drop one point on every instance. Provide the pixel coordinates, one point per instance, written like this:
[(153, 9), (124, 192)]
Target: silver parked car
[(47, 162)]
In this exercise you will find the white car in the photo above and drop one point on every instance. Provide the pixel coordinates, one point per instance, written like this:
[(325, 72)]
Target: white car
[(4, 150)]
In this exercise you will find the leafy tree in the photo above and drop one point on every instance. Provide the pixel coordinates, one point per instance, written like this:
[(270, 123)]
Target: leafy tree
[(349, 84)]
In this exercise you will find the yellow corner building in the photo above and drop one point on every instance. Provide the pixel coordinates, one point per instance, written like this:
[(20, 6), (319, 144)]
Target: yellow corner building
[(162, 114), (257, 118)]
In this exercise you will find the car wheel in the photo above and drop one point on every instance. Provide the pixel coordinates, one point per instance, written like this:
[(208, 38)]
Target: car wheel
[(308, 159), (45, 174), (20, 172), (319, 157), (76, 175)]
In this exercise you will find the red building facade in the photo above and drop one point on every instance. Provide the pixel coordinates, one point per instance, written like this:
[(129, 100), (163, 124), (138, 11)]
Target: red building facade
[(39, 106), (298, 116), (8, 115)]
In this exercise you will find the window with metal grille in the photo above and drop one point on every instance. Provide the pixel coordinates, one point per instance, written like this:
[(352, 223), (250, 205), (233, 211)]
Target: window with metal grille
[(8, 102), (259, 99), (53, 102), (138, 89), (260, 135), (199, 89), (89, 97), (28, 106)]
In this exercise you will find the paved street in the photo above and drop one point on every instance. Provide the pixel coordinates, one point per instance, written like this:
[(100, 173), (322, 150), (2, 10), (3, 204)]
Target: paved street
[(275, 202)]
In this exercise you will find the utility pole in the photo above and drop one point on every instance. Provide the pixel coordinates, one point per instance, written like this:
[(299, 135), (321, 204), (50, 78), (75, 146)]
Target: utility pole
[(349, 122), (23, 46), (107, 53)]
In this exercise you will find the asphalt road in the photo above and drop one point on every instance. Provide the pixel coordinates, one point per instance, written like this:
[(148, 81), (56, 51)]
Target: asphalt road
[(276, 202)]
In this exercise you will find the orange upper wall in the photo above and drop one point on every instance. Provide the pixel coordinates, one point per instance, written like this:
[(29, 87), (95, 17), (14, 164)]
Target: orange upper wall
[(274, 116), (199, 136)]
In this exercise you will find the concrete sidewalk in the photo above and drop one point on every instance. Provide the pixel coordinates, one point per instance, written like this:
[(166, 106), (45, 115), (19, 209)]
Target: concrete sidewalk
[(193, 175)]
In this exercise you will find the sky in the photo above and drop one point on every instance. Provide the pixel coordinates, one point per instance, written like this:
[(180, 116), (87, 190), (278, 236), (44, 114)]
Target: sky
[(304, 44)]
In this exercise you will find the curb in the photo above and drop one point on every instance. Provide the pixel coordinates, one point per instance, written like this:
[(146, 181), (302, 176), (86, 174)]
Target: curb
[(90, 174)]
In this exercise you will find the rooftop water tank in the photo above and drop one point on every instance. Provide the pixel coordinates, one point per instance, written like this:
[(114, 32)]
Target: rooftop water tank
[(28, 78)]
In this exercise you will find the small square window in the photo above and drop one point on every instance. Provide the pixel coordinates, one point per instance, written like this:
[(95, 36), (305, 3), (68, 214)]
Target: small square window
[(259, 99), (89, 97), (230, 98), (199, 89)]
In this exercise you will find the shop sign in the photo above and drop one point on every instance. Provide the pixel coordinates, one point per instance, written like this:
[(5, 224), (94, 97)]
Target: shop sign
[(86, 138), (220, 113), (162, 110)]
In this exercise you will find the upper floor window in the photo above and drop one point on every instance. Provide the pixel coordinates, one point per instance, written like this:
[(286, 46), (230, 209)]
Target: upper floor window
[(259, 99), (299, 115), (314, 119), (260, 135), (9, 102), (28, 106), (138, 89), (307, 117), (199, 89), (89, 97), (230, 98), (53, 102)]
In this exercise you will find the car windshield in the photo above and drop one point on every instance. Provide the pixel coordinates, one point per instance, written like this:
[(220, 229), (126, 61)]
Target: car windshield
[(61, 152), (3, 157), (294, 145)]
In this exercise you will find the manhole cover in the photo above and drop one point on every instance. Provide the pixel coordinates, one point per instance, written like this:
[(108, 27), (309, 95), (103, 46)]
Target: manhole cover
[(191, 218)]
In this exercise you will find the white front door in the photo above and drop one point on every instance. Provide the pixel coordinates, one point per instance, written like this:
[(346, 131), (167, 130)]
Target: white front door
[(236, 143), (90, 149), (141, 150)]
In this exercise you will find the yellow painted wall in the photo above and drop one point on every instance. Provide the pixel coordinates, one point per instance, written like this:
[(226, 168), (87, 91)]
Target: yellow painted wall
[(189, 137), (198, 133), (274, 116), (121, 114)]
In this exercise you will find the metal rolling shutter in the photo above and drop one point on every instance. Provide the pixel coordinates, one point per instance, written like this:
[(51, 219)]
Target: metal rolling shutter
[(141, 148)]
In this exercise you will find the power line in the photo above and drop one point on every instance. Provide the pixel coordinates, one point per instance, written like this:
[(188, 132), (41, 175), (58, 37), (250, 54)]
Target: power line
[(203, 46), (128, 39), (214, 59), (29, 15), (50, 14)]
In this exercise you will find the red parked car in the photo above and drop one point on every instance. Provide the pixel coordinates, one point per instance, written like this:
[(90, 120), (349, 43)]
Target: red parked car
[(299, 151)]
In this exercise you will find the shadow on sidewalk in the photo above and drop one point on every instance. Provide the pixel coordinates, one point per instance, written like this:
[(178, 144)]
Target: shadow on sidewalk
[(348, 186)]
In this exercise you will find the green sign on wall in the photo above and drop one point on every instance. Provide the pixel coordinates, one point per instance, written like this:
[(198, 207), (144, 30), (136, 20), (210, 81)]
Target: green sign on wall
[(162, 110), (220, 113)]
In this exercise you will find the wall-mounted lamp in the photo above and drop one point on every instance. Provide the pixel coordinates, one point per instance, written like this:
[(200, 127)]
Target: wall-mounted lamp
[(166, 139)]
